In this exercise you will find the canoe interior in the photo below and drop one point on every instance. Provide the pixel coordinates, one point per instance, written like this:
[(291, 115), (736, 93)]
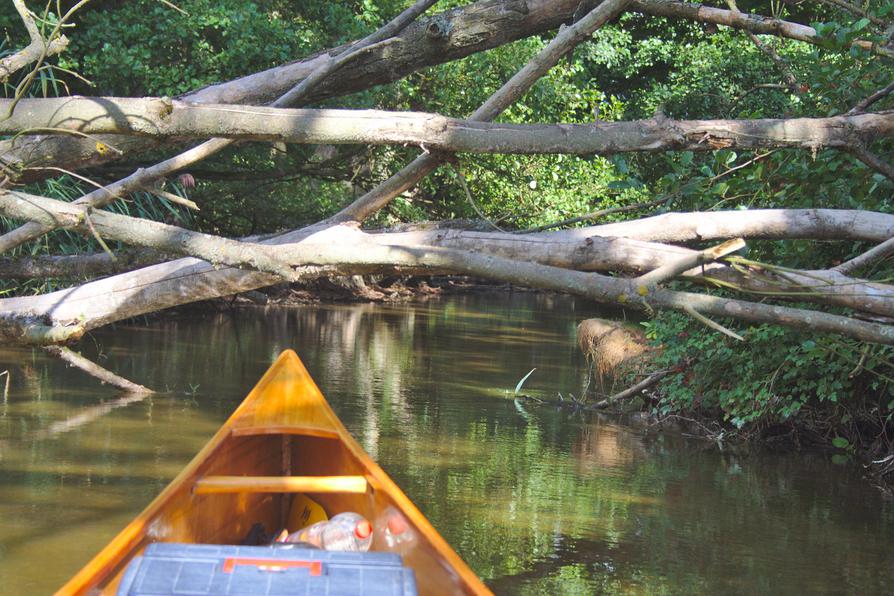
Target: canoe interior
[(283, 428)]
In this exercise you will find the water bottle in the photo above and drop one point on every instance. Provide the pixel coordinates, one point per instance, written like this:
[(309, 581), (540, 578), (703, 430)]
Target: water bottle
[(396, 533), (345, 532)]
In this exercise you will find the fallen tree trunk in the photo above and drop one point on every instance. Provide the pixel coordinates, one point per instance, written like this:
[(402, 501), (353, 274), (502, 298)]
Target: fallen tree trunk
[(345, 247), (767, 224), (149, 176), (74, 267), (557, 249), (441, 38), (164, 118), (564, 249), (374, 200), (444, 37)]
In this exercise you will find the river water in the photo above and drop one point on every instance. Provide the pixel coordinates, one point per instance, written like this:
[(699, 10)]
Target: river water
[(536, 500)]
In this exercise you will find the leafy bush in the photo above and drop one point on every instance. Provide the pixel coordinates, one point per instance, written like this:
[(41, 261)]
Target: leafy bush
[(769, 378)]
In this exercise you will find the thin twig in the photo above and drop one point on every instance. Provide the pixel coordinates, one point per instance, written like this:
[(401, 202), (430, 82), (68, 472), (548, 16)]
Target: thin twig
[(751, 161), (783, 66), (172, 197), (97, 237), (880, 94), (872, 160), (709, 323), (631, 391), (94, 370), (600, 213), (855, 10), (465, 186), (877, 253)]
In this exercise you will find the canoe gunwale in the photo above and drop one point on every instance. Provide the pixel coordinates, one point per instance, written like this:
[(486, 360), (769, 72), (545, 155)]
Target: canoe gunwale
[(253, 419)]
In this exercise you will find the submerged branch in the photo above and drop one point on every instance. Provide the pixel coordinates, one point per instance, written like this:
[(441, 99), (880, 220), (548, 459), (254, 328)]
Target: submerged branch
[(94, 370), (649, 381)]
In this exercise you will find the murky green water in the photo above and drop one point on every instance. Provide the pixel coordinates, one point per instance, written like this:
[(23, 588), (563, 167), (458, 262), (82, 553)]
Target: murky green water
[(538, 501)]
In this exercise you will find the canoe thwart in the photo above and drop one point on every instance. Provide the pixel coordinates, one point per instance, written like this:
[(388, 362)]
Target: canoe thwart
[(285, 429), (281, 484)]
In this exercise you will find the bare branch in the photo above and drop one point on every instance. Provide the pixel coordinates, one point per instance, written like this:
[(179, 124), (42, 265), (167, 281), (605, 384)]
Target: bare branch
[(140, 232), (38, 49), (855, 10), (510, 92), (872, 160), (749, 22), (877, 253), (864, 104), (597, 214), (711, 324), (94, 370), (780, 63), (766, 224), (687, 262), (631, 391)]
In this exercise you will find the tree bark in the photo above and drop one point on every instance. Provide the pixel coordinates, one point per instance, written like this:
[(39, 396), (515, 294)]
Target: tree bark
[(346, 248), (767, 224), (441, 38), (445, 37), (748, 22), (75, 267), (164, 118)]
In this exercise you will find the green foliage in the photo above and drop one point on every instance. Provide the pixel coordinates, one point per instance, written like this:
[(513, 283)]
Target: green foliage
[(769, 378), (146, 48)]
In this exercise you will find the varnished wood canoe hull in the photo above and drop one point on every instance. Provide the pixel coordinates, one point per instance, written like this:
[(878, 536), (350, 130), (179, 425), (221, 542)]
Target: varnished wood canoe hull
[(283, 438)]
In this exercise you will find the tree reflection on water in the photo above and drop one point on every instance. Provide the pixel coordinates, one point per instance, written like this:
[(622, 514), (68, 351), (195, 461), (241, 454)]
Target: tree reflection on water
[(548, 502)]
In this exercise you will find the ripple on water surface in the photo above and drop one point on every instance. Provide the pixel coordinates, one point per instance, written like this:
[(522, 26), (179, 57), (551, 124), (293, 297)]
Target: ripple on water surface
[(538, 501)]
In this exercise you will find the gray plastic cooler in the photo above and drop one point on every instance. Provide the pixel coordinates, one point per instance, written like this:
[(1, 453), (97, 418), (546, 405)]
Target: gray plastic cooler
[(202, 569)]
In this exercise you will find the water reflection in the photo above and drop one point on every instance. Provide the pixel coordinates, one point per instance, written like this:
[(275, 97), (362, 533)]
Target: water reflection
[(536, 500)]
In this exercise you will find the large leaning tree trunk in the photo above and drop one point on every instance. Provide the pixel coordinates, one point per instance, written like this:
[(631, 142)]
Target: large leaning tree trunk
[(162, 118)]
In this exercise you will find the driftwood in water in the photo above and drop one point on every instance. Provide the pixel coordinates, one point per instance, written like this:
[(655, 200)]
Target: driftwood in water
[(631, 391)]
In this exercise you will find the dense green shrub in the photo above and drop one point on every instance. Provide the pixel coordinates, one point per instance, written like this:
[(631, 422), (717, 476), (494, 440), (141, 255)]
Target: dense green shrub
[(770, 377)]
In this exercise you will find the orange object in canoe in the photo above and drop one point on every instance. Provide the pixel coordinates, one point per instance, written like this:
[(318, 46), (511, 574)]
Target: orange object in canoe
[(283, 439)]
